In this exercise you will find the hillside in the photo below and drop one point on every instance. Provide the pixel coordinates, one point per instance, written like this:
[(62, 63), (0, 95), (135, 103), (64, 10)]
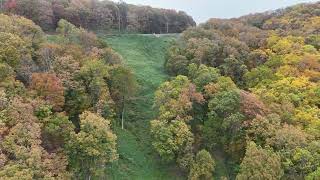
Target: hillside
[(254, 88), (229, 99)]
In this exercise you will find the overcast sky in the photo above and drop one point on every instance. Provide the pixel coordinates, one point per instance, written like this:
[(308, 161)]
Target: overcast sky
[(202, 10)]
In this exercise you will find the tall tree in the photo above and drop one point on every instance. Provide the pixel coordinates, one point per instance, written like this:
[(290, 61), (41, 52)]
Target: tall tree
[(49, 87), (92, 148), (123, 86), (202, 167), (171, 132), (260, 163)]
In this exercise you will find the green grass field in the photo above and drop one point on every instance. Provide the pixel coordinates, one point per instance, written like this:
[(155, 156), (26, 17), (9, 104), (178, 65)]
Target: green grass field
[(145, 54)]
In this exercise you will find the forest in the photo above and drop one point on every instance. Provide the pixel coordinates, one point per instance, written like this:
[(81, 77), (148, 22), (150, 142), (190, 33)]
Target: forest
[(87, 92), (97, 15)]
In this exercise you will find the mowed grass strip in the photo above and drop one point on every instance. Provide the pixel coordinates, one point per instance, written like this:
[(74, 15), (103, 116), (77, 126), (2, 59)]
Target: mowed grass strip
[(145, 54)]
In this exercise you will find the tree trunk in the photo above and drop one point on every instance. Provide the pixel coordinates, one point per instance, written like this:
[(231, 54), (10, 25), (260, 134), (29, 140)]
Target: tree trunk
[(122, 114), (122, 118), (119, 20)]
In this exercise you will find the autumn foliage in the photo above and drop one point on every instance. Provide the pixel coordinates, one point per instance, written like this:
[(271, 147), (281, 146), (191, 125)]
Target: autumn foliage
[(259, 76), (50, 88), (243, 96)]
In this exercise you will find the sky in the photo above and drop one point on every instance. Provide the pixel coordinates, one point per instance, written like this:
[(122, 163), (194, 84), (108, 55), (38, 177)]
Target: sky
[(202, 10)]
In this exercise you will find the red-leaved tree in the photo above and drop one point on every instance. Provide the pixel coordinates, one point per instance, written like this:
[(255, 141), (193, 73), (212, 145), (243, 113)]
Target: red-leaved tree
[(49, 87), (10, 5)]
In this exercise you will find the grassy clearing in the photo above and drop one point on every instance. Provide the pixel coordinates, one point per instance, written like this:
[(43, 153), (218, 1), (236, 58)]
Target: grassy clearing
[(145, 54)]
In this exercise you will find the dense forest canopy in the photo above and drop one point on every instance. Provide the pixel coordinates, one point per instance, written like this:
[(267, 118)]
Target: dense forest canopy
[(243, 93), (57, 101), (100, 15), (259, 79)]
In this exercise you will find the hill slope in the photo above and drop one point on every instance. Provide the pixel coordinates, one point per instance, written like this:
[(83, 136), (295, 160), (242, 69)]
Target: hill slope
[(145, 55)]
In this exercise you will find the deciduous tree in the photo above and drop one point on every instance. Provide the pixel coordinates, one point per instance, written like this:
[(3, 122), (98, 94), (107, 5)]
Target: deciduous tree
[(92, 148), (49, 87), (260, 163), (202, 167)]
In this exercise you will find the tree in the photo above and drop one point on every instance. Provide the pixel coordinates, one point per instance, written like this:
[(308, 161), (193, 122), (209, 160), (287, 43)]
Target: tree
[(93, 77), (109, 56), (225, 103), (56, 128), (223, 116), (202, 167), (92, 148), (76, 102), (201, 51), (202, 75), (314, 40), (20, 39), (3, 100), (288, 138), (176, 64), (260, 163), (251, 106), (259, 75), (8, 82), (314, 175), (12, 48), (50, 88), (39, 11), (123, 86), (30, 33), (99, 15), (299, 155), (223, 84), (10, 5), (175, 98), (262, 128), (172, 136), (169, 139), (21, 142), (256, 58), (304, 161), (235, 69), (1, 5), (66, 69), (88, 40), (123, 9), (225, 123), (67, 30)]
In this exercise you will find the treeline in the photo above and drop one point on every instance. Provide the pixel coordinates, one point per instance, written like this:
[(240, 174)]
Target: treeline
[(99, 15), (302, 19), (59, 99), (249, 87)]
